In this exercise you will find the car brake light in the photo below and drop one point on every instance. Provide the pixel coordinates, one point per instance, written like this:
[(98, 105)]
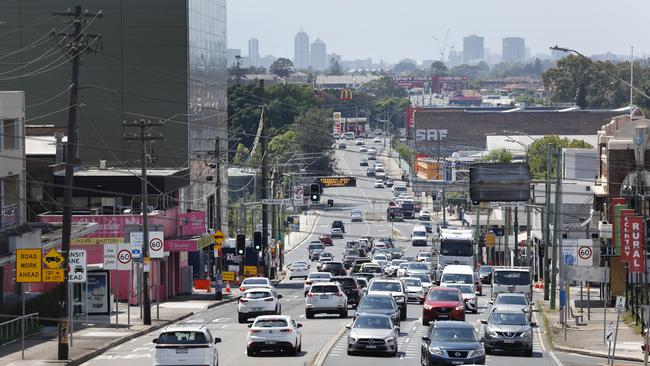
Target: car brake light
[(242, 289), (269, 299), (311, 294), (255, 331), (288, 330), (243, 300)]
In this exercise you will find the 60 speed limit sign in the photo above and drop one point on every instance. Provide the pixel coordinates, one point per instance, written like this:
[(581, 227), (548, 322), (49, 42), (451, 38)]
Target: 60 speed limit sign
[(124, 257), (585, 256), (156, 244)]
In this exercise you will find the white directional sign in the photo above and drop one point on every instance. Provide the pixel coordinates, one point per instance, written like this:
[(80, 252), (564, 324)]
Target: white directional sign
[(110, 256), (620, 303), (136, 243), (77, 262), (124, 257), (507, 204), (156, 244), (609, 333), (277, 201)]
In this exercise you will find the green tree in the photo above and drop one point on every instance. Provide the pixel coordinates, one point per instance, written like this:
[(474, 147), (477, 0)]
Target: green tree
[(404, 151), (314, 134), (537, 152), (404, 67), (283, 146), (499, 156), (241, 153), (282, 67), (438, 68), (383, 87)]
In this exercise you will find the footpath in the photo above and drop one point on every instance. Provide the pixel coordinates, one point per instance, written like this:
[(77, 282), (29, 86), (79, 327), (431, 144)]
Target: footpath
[(586, 336)]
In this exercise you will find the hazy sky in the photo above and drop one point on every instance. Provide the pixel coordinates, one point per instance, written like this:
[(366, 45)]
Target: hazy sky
[(395, 29)]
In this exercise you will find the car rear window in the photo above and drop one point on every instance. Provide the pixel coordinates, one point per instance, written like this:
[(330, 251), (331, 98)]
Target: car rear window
[(443, 295), (257, 281), (335, 266), (319, 275), (386, 286), (257, 295), (346, 282), (181, 337), (270, 323), (324, 289), (412, 282)]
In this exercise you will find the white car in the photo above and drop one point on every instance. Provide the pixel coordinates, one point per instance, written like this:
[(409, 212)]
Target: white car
[(363, 149), (423, 256), (186, 344), (414, 289), (376, 139), (326, 297), (372, 150), (254, 282), (316, 277), (298, 270), (425, 215), (356, 217), (379, 257), (258, 301), (274, 333), (394, 266), (379, 167), (401, 271), (360, 142), (336, 232), (379, 183)]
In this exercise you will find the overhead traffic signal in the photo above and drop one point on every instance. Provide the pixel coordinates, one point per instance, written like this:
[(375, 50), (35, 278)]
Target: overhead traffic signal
[(315, 192), (241, 244), (257, 240)]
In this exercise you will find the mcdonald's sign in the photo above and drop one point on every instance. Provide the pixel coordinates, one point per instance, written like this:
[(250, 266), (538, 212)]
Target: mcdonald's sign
[(346, 94)]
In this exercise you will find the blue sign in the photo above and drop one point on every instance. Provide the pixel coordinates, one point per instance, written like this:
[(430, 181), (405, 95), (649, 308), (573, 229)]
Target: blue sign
[(569, 259), (562, 298), (136, 252)]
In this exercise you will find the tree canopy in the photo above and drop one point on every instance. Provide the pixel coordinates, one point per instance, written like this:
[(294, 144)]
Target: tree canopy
[(499, 156), (282, 67), (537, 152)]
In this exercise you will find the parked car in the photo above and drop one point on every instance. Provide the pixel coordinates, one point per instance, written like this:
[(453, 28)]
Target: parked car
[(274, 333), (258, 301), (452, 343), (184, 343), (316, 277), (469, 296), (414, 289), (336, 233), (443, 303), (350, 288), (326, 297), (393, 287), (508, 330), (373, 333)]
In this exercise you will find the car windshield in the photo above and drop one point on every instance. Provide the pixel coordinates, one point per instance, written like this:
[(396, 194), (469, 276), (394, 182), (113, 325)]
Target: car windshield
[(464, 289), (257, 294), (457, 278), (424, 278), (182, 337), (511, 278), (255, 281), (372, 322), (386, 286), (446, 334), (412, 282), (270, 323), (376, 302), (324, 289), (417, 266), (419, 234), (511, 300), (443, 295), (320, 275), (508, 319)]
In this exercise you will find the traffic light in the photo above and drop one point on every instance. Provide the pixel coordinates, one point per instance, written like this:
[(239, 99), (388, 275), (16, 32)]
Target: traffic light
[(315, 192), (257, 240), (241, 244)]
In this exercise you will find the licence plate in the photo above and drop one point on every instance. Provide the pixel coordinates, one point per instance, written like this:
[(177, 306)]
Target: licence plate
[(269, 342), (324, 296), (181, 350), (371, 347), (443, 316), (257, 309), (508, 341), (511, 289), (457, 362)]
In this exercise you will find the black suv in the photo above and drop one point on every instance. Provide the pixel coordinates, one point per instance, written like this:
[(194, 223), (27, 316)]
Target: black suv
[(338, 224), (335, 268), (350, 288)]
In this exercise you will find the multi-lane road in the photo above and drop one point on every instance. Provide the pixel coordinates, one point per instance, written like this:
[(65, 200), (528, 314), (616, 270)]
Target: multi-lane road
[(324, 337)]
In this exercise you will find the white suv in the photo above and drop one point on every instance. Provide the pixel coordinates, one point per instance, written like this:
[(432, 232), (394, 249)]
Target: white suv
[(328, 298), (258, 301), (274, 333), (186, 344)]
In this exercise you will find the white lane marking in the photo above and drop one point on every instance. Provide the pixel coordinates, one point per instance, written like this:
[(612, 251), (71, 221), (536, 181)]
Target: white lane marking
[(220, 319), (224, 326)]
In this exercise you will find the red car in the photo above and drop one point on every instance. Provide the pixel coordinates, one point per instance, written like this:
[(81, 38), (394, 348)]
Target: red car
[(326, 239), (443, 303)]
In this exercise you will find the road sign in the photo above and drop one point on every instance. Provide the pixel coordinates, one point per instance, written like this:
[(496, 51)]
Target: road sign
[(298, 193), (585, 256), (609, 333), (218, 237), (156, 244), (250, 271), (569, 251), (490, 240), (136, 240), (620, 303), (327, 182), (124, 257), (28, 265), (53, 275), (110, 256), (507, 204), (277, 201), (228, 276), (77, 264), (53, 259)]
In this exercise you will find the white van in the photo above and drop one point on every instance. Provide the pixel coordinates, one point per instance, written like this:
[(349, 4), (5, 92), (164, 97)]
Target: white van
[(419, 236), (456, 274)]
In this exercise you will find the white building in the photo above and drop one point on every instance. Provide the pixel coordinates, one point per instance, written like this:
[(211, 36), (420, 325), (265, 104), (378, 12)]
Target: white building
[(254, 52), (12, 158), (301, 58), (319, 55)]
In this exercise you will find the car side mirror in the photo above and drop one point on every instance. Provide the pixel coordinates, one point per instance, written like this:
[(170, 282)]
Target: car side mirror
[(483, 321), (477, 293), (348, 326), (250, 325), (426, 339), (533, 324), (299, 325), (155, 340), (491, 302), (217, 340), (279, 297), (482, 339)]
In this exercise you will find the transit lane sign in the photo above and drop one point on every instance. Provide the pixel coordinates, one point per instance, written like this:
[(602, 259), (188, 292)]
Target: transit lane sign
[(28, 265), (77, 263)]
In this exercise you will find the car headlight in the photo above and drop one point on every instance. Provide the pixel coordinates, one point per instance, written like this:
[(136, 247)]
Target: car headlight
[(436, 351), (528, 333), (389, 340), (427, 307), (352, 340), (491, 333), (399, 298), (478, 353), (460, 307)]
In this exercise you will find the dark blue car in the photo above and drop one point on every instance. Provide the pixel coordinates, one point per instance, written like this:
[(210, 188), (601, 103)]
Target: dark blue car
[(452, 343)]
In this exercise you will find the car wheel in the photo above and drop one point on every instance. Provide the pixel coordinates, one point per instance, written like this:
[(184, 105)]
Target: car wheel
[(242, 318), (529, 352), (350, 353), (293, 351), (488, 351), (402, 315), (309, 315), (425, 322), (250, 352), (343, 313)]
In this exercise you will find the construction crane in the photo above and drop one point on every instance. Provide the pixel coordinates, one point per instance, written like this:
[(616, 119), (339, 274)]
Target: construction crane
[(444, 44)]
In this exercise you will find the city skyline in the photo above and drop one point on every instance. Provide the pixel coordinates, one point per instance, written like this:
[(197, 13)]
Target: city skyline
[(592, 33)]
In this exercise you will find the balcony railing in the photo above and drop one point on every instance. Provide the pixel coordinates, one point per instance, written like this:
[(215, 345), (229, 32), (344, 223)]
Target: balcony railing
[(9, 216)]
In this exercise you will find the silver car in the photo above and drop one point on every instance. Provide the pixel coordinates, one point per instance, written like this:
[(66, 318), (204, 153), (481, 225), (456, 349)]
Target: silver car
[(509, 330), (517, 302), (373, 333)]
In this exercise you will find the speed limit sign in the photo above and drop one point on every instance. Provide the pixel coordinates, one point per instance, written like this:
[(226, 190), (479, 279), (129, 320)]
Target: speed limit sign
[(156, 244), (585, 256), (124, 257)]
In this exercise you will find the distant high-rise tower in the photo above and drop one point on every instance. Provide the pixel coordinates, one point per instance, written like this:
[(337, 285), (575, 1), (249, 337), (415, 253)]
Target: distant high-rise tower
[(254, 52), (514, 49), (319, 55), (473, 49), (301, 51), (233, 53)]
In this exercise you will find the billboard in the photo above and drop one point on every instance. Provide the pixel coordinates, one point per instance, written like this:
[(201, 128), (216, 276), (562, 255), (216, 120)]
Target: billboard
[(506, 182)]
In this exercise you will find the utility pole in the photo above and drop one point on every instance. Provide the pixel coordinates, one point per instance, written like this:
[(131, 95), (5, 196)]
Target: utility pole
[(477, 236), (264, 190), (218, 205), (74, 44), (546, 224), (556, 223), (144, 137), (516, 227), (506, 247)]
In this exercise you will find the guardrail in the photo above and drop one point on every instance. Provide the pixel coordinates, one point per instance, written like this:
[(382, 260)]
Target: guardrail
[(18, 328)]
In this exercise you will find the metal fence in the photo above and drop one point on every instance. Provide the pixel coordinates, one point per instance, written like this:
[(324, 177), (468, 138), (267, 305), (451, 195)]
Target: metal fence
[(18, 328)]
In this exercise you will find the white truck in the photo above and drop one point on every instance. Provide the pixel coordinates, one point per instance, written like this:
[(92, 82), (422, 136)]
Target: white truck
[(509, 279)]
